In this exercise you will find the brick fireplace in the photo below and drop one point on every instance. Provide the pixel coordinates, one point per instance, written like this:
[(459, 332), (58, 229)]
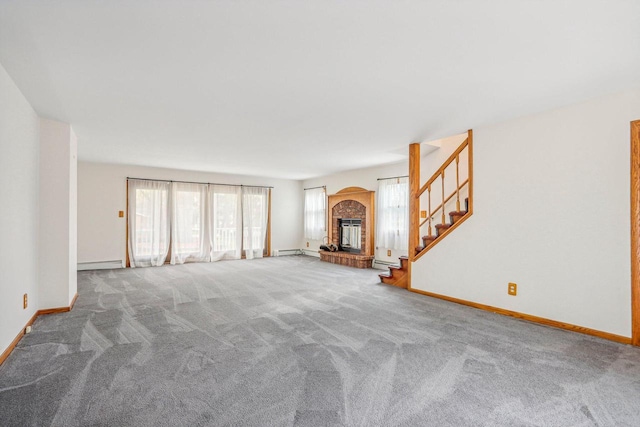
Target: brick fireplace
[(354, 207)]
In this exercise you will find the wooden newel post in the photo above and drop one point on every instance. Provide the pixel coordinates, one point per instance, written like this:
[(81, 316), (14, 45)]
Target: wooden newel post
[(442, 205), (429, 211), (414, 201), (458, 183)]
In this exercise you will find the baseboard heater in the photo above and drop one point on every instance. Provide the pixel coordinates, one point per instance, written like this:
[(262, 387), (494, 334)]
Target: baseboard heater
[(100, 265), (310, 252), (382, 265), (285, 252)]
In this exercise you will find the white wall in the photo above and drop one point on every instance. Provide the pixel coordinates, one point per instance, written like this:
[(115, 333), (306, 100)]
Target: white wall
[(551, 213), (58, 203), (19, 148), (102, 193), (367, 178)]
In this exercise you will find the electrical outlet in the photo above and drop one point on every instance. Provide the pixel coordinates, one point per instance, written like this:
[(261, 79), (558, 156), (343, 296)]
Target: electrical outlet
[(423, 214), (121, 214), (512, 289), (307, 244), (25, 301), (388, 252)]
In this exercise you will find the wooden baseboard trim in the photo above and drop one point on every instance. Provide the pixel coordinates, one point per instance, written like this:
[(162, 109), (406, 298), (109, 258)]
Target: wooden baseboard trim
[(59, 309), (17, 339), (73, 301), (529, 317)]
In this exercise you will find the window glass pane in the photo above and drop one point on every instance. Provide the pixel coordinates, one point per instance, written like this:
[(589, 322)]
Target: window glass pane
[(189, 239), (314, 213), (226, 222), (148, 222), (392, 221)]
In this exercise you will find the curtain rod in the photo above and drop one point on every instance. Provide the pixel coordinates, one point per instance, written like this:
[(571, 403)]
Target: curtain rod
[(393, 177), (194, 182), (313, 188)]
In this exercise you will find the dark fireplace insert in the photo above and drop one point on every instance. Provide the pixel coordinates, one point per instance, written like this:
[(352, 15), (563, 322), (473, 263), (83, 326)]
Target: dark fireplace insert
[(350, 235)]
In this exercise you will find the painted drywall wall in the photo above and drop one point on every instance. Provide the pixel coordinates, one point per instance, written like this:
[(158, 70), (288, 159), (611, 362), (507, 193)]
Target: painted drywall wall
[(436, 153), (19, 148), (102, 193), (58, 152), (551, 213)]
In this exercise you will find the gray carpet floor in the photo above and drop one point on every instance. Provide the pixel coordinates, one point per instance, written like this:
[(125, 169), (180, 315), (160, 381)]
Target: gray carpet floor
[(294, 341)]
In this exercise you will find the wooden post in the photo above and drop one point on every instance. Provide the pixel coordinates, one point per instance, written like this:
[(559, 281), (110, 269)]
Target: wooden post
[(457, 184), (470, 170), (635, 232), (429, 211), (444, 218), (414, 201), (127, 262)]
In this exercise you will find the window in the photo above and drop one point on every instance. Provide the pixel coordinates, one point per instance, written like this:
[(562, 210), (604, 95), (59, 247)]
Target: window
[(393, 215), (226, 222), (148, 222), (315, 213), (255, 216), (195, 222), (188, 223)]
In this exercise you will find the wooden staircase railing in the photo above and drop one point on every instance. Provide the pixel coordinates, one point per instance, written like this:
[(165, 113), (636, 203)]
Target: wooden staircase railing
[(417, 248), (399, 275)]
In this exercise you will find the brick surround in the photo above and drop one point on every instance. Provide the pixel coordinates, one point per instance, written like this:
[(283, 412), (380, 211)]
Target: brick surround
[(348, 209)]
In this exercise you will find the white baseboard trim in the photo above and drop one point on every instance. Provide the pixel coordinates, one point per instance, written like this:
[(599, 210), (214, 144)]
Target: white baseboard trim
[(286, 252), (100, 265)]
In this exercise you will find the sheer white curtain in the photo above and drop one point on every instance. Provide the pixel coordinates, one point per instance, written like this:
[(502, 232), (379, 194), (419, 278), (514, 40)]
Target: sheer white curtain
[(392, 229), (148, 222), (189, 237), (225, 213), (315, 213), (255, 213)]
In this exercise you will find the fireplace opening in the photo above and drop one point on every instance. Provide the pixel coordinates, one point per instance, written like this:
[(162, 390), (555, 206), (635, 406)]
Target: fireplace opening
[(350, 235)]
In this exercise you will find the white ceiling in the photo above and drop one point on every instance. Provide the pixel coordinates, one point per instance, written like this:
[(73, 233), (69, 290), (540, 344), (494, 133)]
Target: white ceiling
[(297, 89)]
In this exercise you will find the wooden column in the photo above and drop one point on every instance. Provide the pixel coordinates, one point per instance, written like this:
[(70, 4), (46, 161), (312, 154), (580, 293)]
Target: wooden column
[(470, 178), (635, 233), (414, 201)]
